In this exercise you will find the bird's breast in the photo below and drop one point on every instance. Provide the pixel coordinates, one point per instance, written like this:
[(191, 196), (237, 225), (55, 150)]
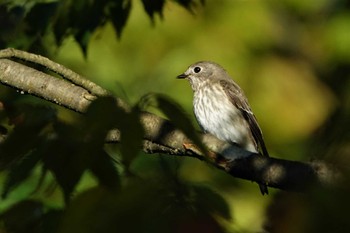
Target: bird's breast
[(217, 115)]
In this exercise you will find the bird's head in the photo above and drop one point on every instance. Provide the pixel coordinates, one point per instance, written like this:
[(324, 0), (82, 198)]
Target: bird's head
[(201, 72)]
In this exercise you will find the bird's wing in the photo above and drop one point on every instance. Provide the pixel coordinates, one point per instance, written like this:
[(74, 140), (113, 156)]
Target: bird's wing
[(240, 101)]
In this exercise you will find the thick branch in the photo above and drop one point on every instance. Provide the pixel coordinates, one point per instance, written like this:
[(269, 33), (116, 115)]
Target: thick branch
[(162, 137), (55, 67), (44, 86)]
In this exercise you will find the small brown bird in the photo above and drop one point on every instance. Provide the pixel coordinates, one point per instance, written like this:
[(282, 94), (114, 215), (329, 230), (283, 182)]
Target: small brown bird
[(222, 109)]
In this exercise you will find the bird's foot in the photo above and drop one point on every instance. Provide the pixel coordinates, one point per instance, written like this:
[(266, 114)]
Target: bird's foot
[(192, 147)]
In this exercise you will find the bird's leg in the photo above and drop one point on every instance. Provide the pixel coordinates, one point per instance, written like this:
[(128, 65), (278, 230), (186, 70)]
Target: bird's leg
[(194, 148), (191, 147)]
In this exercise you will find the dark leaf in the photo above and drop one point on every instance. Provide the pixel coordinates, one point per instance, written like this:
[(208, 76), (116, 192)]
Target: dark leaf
[(90, 212), (25, 216), (51, 221), (61, 22), (138, 208), (153, 7), (80, 148), (3, 130), (119, 13), (91, 15), (176, 115), (39, 16), (83, 38), (189, 4), (185, 3), (211, 202), (64, 158), (131, 135), (104, 169), (24, 25), (30, 124), (20, 172), (113, 116), (198, 198), (100, 117)]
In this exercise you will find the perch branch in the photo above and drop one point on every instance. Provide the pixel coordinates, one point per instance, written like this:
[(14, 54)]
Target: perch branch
[(160, 135)]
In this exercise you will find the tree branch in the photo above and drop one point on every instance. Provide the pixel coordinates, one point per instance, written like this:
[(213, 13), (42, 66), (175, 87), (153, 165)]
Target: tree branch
[(160, 135), (54, 67)]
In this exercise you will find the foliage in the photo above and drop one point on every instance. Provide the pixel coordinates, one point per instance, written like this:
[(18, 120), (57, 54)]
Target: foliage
[(24, 24), (126, 203)]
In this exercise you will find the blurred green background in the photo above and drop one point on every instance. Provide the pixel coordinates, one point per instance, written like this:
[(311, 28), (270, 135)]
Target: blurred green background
[(285, 92), (290, 57)]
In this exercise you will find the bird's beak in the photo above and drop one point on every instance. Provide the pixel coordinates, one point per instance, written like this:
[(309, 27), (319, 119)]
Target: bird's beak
[(182, 76)]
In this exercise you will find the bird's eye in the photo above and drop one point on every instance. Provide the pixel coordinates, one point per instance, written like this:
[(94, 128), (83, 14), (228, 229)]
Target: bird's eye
[(197, 69)]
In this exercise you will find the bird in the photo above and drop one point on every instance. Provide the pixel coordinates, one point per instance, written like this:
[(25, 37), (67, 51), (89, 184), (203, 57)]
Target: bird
[(222, 109)]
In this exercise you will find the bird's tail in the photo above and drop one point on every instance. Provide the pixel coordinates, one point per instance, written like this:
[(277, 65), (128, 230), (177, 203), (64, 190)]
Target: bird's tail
[(263, 186)]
